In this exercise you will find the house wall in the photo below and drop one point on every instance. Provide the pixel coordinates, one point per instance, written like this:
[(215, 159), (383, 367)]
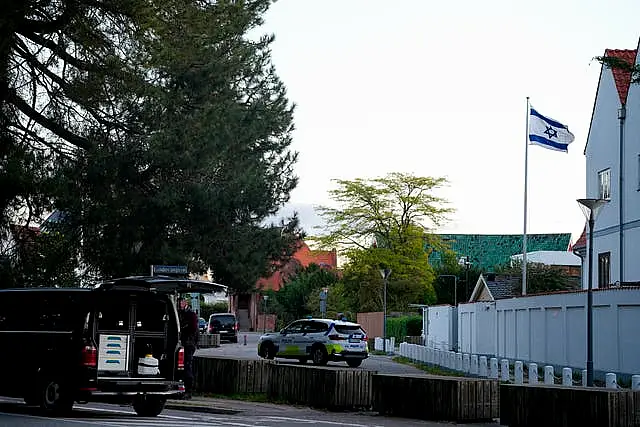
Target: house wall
[(551, 329)]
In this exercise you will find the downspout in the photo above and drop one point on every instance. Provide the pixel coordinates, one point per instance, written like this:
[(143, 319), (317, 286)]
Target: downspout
[(622, 114)]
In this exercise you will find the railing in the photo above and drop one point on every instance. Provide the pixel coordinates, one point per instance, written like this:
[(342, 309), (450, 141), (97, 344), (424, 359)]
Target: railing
[(489, 367)]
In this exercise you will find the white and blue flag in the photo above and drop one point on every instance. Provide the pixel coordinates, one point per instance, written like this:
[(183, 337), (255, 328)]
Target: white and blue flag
[(548, 133)]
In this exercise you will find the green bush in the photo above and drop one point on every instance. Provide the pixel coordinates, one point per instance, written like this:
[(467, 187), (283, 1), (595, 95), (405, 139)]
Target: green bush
[(400, 327)]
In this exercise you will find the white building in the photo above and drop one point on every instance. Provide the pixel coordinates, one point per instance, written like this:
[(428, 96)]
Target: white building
[(613, 172)]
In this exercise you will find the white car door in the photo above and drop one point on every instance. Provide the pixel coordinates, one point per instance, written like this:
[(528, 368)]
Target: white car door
[(289, 338)]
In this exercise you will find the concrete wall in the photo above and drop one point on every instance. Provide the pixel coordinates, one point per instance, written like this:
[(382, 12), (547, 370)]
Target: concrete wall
[(551, 329)]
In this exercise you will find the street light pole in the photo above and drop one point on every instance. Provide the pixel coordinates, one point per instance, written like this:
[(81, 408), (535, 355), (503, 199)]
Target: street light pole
[(590, 208), (385, 276)]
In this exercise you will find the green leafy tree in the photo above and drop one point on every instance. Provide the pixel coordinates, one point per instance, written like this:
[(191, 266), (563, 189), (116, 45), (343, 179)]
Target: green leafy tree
[(384, 223), (444, 286)]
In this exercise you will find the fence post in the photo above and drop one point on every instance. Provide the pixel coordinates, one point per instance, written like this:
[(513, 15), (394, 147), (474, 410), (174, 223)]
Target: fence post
[(474, 364), (584, 378), (458, 361), (548, 375), (610, 381), (533, 373), (493, 368), (518, 372), (466, 363), (504, 370), (635, 382), (567, 377), (482, 366)]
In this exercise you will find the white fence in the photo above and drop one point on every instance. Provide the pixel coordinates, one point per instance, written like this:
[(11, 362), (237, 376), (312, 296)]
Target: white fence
[(483, 367), (551, 330), (378, 344)]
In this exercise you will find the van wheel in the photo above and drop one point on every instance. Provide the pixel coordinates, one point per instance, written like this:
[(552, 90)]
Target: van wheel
[(54, 398), (354, 363), (319, 355), (149, 406)]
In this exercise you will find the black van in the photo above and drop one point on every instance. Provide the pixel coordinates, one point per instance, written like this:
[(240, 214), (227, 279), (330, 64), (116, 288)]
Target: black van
[(61, 346)]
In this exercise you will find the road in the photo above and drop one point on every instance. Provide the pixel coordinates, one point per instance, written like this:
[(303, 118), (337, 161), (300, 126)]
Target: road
[(382, 364), (14, 413)]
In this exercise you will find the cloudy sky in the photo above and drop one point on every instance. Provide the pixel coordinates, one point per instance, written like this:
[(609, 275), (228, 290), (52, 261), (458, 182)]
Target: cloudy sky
[(438, 88)]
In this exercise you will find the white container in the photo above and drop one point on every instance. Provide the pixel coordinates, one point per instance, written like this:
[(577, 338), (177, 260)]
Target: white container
[(148, 365)]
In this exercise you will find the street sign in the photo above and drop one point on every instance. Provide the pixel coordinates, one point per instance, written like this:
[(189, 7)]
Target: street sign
[(323, 295), (323, 307), (169, 270)]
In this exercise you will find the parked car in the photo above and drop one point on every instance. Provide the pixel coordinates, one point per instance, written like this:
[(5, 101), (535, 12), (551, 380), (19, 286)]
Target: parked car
[(224, 324), (202, 325), (319, 340), (115, 343)]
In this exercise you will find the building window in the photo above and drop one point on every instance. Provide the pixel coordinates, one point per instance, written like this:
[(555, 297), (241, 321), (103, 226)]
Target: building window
[(604, 184), (604, 269)]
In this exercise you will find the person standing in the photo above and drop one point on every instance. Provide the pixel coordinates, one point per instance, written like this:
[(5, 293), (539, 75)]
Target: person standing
[(189, 337)]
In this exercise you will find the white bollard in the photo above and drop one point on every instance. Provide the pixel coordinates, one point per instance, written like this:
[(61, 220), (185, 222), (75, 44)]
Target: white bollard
[(567, 377), (493, 368), (518, 372), (482, 366), (423, 354), (548, 375), (474, 364), (466, 364), (430, 355), (452, 360), (610, 381), (533, 373), (505, 375), (635, 382), (584, 378), (458, 361)]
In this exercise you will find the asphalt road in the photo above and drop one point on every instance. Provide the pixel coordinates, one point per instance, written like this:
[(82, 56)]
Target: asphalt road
[(14, 413), (382, 364)]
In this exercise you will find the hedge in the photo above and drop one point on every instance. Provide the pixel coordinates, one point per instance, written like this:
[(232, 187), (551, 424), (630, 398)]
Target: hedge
[(400, 327)]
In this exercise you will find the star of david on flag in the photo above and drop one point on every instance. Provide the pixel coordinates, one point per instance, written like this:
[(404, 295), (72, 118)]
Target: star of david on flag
[(548, 133)]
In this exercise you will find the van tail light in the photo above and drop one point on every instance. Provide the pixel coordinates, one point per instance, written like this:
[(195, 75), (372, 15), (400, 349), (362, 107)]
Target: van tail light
[(236, 326), (181, 358), (210, 329), (336, 338), (89, 356)]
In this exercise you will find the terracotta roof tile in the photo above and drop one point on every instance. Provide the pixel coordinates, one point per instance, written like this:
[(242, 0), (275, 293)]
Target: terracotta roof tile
[(582, 240), (622, 77)]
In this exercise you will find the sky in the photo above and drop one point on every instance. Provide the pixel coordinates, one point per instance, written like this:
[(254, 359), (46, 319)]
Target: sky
[(438, 88)]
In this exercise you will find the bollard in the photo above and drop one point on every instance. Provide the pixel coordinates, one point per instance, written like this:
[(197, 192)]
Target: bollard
[(567, 377), (245, 339), (548, 375), (493, 368), (635, 382), (584, 378), (474, 364), (610, 381), (518, 372), (505, 375), (452, 360), (465, 363), (458, 361), (533, 373), (482, 366)]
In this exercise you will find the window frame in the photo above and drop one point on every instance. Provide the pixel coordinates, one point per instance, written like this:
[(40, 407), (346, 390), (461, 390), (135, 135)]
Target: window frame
[(602, 283), (601, 193)]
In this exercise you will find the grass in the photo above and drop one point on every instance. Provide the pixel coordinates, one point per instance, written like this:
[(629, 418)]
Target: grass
[(433, 370)]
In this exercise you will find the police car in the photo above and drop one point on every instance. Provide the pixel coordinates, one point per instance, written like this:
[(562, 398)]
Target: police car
[(318, 340)]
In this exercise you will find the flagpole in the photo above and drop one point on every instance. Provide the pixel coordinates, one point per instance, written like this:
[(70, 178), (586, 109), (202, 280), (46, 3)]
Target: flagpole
[(524, 232)]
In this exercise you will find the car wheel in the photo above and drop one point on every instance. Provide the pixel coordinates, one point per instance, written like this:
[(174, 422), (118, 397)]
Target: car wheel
[(269, 351), (234, 340), (319, 355), (54, 398), (354, 363), (302, 360), (149, 406)]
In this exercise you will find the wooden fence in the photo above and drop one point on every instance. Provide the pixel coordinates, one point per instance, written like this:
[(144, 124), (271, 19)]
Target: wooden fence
[(231, 376), (372, 323)]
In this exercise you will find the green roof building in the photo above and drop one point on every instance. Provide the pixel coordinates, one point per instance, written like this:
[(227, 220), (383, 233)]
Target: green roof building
[(486, 251)]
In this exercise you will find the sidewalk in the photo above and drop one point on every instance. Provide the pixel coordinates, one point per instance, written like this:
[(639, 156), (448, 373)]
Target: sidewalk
[(212, 405)]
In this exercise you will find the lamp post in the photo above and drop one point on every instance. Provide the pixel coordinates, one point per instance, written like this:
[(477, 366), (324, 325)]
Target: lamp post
[(465, 261), (385, 273), (264, 314), (590, 208), (455, 287)]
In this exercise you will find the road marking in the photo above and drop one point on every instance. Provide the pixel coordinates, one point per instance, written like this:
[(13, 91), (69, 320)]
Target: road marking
[(310, 421), (124, 412)]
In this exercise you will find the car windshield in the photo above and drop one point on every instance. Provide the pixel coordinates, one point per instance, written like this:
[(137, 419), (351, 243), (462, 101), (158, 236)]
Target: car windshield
[(348, 329), (223, 320)]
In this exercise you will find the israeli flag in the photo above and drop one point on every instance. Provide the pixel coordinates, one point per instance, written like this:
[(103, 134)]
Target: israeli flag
[(548, 133)]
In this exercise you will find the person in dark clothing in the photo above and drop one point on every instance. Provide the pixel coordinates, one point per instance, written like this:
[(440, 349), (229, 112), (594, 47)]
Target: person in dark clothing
[(189, 337)]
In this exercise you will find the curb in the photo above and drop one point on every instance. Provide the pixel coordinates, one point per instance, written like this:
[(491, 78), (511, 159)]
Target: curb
[(202, 408)]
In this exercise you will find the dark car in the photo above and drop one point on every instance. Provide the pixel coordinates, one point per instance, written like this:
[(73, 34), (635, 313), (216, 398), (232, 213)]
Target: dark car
[(224, 324), (115, 343), (202, 325)]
